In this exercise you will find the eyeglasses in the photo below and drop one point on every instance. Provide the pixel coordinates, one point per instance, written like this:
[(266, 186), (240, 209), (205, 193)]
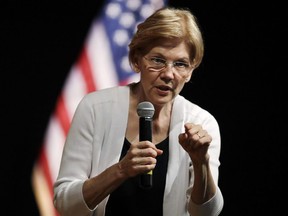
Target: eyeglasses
[(157, 64)]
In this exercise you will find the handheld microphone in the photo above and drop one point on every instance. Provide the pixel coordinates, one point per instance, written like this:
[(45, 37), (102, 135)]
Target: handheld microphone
[(145, 111)]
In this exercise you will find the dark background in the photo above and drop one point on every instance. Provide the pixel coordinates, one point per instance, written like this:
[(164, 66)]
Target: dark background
[(242, 82)]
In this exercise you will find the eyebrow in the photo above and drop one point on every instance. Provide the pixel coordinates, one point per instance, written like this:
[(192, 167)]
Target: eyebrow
[(184, 59)]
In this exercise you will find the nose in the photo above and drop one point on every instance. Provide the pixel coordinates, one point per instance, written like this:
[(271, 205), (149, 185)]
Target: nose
[(169, 67), (168, 72)]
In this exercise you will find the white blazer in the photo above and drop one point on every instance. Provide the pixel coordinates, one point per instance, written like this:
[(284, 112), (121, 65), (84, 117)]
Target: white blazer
[(95, 141)]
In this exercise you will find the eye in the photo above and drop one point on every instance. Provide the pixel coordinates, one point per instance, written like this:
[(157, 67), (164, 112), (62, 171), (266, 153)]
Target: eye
[(181, 64), (158, 61)]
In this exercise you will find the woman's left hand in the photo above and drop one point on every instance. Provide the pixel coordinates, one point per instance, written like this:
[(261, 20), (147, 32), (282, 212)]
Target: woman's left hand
[(195, 141)]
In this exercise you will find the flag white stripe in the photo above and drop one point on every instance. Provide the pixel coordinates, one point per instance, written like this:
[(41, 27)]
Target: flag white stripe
[(74, 90), (100, 57), (53, 146)]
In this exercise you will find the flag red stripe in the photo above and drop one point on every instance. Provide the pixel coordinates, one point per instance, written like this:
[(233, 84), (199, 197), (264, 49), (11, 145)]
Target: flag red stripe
[(124, 82), (62, 114), (44, 166), (86, 70)]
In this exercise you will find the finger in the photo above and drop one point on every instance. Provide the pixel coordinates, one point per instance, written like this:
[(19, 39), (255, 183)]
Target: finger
[(146, 144), (192, 129), (148, 152), (150, 145), (182, 137), (159, 151), (202, 133), (188, 126), (146, 161)]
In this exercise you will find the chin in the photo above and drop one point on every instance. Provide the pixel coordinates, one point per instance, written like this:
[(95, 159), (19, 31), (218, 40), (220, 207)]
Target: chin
[(162, 101)]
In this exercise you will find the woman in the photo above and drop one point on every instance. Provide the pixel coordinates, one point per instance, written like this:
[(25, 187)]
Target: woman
[(103, 157)]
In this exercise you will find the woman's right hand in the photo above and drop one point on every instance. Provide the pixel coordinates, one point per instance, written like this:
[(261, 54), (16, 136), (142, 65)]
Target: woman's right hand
[(140, 158)]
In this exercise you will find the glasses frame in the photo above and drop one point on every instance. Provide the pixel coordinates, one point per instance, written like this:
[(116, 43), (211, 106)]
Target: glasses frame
[(152, 63)]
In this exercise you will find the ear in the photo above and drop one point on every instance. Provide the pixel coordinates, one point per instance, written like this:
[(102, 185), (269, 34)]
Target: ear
[(187, 79), (136, 68), (135, 64)]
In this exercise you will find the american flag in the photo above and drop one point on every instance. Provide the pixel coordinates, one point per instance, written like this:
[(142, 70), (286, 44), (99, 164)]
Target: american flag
[(103, 62)]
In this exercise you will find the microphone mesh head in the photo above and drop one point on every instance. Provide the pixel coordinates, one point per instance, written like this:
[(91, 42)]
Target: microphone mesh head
[(145, 109)]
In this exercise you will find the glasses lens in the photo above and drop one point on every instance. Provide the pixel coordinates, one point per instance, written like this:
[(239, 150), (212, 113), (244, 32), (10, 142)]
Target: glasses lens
[(157, 64)]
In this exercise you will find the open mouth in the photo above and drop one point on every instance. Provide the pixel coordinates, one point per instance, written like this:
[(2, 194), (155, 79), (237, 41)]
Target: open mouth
[(164, 88)]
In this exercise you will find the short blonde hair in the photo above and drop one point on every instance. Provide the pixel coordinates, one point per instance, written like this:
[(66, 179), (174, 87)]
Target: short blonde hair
[(165, 23)]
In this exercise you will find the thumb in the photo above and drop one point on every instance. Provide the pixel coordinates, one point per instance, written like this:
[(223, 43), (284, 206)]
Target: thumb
[(182, 137), (159, 152)]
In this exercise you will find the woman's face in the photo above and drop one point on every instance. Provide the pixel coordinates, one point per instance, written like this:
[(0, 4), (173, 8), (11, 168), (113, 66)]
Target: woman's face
[(164, 70)]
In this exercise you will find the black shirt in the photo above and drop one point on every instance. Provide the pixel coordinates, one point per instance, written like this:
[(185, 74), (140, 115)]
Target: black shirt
[(130, 199)]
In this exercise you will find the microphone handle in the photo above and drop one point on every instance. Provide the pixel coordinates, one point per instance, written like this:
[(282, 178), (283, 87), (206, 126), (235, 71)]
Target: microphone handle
[(145, 133)]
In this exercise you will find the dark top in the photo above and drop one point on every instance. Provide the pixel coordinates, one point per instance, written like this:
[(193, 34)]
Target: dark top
[(130, 199)]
